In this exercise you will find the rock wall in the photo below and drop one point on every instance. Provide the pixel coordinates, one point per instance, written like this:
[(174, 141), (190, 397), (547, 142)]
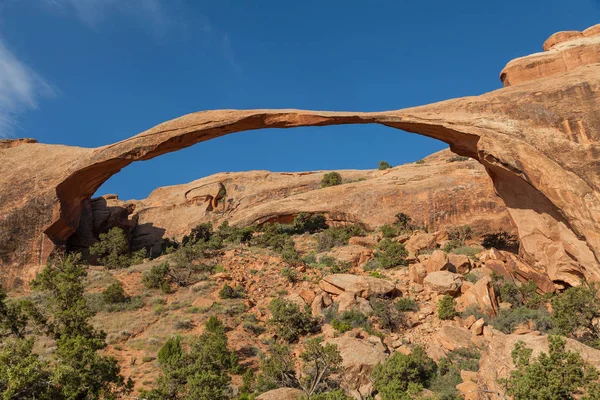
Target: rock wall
[(538, 139)]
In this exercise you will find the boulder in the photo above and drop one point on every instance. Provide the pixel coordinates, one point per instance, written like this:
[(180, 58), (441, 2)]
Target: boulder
[(363, 286), (359, 357), (469, 390), (481, 295), (419, 241), (460, 263), (443, 282), (437, 262), (281, 394), (417, 272), (364, 241), (454, 337), (477, 327), (354, 254)]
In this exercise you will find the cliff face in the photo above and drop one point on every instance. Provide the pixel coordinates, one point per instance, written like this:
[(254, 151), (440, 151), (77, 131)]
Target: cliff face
[(436, 194), (538, 139)]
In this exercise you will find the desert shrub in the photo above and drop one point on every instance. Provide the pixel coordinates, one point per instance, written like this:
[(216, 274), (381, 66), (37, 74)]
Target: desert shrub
[(448, 376), (391, 254), (184, 324), (341, 267), (387, 314), (289, 254), (348, 320), (389, 231), (310, 259), (289, 274), (201, 233), (198, 373), (234, 234), (371, 265), (289, 321), (113, 250), (309, 223), (327, 261), (158, 277), (338, 236), (78, 368), (331, 179), (228, 292), (168, 245), (558, 374), (337, 394), (469, 251), (401, 376), (577, 309), (114, 293), (96, 303), (276, 369), (384, 165), (252, 324), (271, 237), (507, 320), (420, 162), (404, 304), (460, 233), (458, 159), (446, 307), (500, 240)]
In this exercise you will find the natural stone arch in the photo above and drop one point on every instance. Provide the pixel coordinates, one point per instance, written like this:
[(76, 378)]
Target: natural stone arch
[(538, 140)]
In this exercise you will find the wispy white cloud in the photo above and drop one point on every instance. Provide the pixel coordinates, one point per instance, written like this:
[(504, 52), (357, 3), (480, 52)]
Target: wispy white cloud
[(20, 89), (93, 12)]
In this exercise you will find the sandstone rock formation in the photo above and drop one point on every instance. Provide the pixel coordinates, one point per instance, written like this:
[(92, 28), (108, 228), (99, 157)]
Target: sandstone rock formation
[(537, 139)]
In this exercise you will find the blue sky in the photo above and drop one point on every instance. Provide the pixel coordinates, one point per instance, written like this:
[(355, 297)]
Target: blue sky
[(92, 72)]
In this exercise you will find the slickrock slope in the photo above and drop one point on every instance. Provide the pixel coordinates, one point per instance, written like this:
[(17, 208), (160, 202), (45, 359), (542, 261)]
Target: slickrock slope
[(436, 194), (538, 139)]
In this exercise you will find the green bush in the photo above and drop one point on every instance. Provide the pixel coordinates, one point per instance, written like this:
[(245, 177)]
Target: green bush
[(460, 233), (577, 309), (114, 293), (384, 165), (271, 237), (309, 223), (389, 231), (202, 372), (401, 376), (387, 314), (158, 277), (233, 234), (419, 162), (458, 159), (289, 274), (448, 372), (404, 304), (371, 265), (201, 233), (113, 250), (289, 322), (558, 374), (390, 254), (348, 320), (446, 308), (331, 179), (338, 236), (96, 303), (507, 320), (227, 292)]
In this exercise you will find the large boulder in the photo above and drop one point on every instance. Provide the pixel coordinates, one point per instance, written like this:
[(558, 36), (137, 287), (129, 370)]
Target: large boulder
[(453, 338), (353, 254), (363, 286), (438, 261), (443, 282), (281, 394), (419, 241), (359, 357), (481, 295)]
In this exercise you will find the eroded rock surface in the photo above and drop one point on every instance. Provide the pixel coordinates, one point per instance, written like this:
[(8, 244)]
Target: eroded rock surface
[(537, 138)]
